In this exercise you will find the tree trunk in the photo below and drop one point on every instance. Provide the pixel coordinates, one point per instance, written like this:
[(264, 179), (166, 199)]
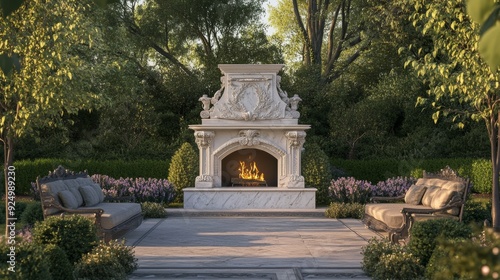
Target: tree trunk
[(8, 151), (495, 160)]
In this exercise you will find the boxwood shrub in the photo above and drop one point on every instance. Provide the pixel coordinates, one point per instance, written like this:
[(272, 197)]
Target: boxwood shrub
[(425, 235), (75, 234)]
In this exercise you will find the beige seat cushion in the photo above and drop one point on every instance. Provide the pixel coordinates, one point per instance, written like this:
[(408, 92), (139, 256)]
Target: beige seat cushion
[(414, 194), (116, 213), (389, 213)]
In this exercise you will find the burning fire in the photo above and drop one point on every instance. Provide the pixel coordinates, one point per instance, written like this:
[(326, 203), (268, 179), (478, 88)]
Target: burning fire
[(250, 172)]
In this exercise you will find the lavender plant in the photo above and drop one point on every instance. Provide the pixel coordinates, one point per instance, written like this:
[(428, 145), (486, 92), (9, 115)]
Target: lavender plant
[(393, 187), (144, 190), (350, 190)]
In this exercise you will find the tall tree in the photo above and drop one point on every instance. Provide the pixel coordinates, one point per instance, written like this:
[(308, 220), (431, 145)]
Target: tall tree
[(47, 36), (194, 34), (330, 33), (461, 84)]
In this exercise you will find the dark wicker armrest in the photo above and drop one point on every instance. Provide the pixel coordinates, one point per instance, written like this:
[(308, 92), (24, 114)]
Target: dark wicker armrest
[(386, 198), (119, 199)]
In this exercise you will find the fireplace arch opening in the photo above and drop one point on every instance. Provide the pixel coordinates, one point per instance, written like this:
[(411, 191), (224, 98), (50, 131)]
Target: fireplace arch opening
[(249, 167)]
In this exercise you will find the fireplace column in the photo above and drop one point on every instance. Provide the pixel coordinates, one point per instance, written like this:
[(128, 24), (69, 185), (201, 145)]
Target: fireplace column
[(293, 178), (204, 140)]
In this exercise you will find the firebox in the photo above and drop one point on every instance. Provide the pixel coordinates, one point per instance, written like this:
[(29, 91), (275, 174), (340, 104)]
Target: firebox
[(250, 144), (249, 168)]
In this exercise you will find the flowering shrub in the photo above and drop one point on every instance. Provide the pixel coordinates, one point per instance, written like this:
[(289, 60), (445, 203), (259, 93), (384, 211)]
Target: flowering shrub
[(385, 260), (153, 210), (112, 260), (341, 210), (144, 190), (392, 187), (350, 190)]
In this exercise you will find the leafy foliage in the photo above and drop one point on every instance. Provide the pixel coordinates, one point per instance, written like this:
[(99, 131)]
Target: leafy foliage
[(425, 235), (385, 260), (59, 266), (31, 263), (343, 210), (33, 213), (466, 259), (76, 235), (112, 260), (487, 13), (183, 169), (316, 172), (153, 210)]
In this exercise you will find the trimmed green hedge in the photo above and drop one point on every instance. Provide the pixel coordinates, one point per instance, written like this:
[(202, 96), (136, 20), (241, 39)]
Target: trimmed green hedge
[(478, 170), (28, 170)]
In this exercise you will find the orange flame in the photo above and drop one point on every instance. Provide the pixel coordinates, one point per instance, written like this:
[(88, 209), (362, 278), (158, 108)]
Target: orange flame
[(251, 172)]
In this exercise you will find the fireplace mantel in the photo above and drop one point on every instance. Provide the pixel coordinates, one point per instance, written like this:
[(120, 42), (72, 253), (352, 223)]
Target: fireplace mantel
[(250, 111)]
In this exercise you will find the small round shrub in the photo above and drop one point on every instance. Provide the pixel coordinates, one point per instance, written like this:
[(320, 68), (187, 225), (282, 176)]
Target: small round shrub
[(97, 266), (31, 262), (32, 214), (464, 259), (119, 251), (59, 266), (316, 172), (476, 212), (20, 207), (184, 168), (76, 235), (372, 253), (112, 260), (399, 265), (424, 236), (345, 210), (153, 210)]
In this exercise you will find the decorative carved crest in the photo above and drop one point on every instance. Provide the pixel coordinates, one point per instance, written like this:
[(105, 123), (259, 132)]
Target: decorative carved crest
[(62, 173), (446, 173), (249, 137)]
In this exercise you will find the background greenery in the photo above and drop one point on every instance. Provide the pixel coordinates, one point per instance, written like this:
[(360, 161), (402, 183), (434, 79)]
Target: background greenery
[(148, 62)]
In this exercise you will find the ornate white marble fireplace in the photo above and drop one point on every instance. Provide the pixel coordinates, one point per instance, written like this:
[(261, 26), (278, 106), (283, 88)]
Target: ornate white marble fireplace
[(250, 124)]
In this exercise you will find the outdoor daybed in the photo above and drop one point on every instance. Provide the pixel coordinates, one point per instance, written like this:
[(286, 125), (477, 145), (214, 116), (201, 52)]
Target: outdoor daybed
[(65, 192), (440, 195)]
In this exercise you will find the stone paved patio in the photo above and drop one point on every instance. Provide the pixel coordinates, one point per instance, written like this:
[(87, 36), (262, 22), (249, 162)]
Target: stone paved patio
[(249, 245)]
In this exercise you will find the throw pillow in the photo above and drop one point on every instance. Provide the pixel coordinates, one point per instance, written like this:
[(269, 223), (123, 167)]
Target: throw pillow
[(414, 194), (89, 195), (442, 197), (98, 191), (68, 199), (78, 195), (428, 195)]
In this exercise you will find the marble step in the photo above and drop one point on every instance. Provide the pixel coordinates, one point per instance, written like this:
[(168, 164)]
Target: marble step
[(177, 212)]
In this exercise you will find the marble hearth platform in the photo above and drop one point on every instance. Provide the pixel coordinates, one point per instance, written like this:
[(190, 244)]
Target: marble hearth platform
[(249, 198)]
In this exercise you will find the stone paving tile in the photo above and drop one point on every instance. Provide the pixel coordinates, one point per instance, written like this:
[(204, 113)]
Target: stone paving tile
[(248, 247)]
